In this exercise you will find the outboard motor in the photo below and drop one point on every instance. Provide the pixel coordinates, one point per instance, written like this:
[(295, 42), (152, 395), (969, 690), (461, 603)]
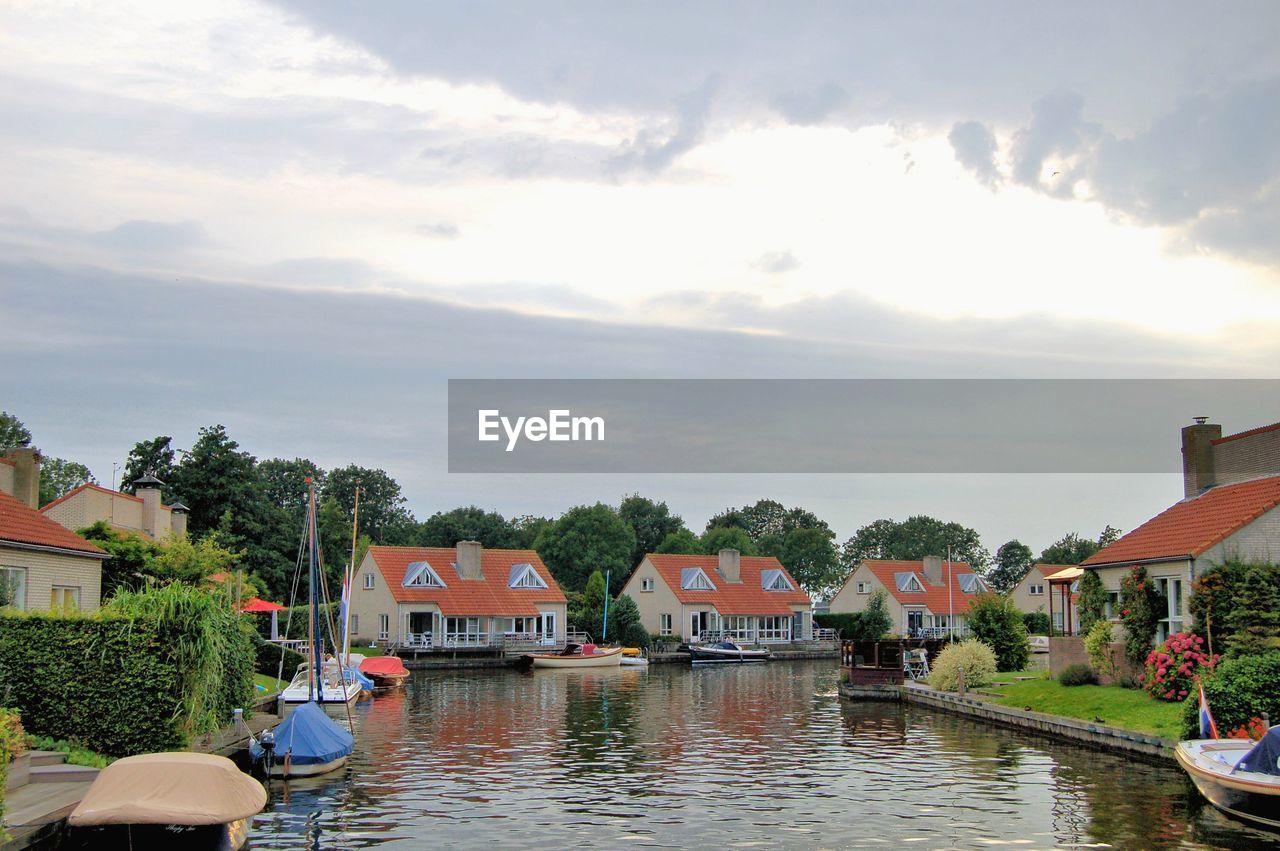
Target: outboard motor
[(268, 745)]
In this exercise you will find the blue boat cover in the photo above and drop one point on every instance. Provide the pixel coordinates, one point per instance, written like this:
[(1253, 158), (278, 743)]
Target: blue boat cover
[(309, 737), (352, 674), (1265, 756)]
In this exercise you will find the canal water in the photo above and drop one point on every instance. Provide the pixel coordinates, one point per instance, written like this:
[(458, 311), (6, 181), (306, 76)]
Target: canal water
[(754, 756)]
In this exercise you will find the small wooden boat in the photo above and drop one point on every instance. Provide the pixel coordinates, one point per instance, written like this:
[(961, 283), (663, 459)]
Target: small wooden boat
[(577, 656), (728, 652), (385, 671), (633, 657), (1238, 776), (168, 800)]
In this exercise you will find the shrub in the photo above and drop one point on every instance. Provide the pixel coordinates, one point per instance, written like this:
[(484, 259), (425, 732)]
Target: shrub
[(996, 621), (876, 620), (848, 625), (1255, 621), (13, 744), (1078, 674), (1214, 596), (1092, 604), (1140, 611), (635, 635), (1173, 667), (1097, 643), (977, 659), (1239, 691), (267, 656), (1036, 623)]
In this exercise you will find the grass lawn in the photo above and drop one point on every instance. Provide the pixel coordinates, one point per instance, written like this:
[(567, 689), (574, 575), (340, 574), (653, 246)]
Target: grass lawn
[(1129, 709), (367, 651), (271, 684)]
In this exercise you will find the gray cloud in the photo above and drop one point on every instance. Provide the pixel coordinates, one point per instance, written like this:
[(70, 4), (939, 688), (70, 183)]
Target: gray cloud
[(140, 236), (776, 262), (811, 106), (975, 148), (439, 230), (654, 149)]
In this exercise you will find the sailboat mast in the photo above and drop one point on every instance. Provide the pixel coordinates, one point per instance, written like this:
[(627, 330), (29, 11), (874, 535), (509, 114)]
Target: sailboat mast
[(349, 580), (313, 610)]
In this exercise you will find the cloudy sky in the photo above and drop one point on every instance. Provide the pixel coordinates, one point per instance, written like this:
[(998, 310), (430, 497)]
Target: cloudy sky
[(301, 218)]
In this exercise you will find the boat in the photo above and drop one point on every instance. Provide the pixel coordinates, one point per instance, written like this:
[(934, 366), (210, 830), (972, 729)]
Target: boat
[(308, 742), (1238, 776), (725, 652), (167, 800), (634, 657), (385, 671), (577, 656)]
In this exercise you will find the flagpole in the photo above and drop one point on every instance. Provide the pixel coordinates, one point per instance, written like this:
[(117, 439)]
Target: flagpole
[(951, 606)]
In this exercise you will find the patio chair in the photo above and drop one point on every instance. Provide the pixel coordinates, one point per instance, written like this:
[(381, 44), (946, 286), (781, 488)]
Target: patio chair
[(915, 663)]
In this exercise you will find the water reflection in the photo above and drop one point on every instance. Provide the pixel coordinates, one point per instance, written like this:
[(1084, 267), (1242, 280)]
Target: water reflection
[(736, 756)]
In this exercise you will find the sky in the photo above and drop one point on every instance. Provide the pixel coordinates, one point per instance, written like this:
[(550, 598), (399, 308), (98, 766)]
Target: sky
[(300, 219)]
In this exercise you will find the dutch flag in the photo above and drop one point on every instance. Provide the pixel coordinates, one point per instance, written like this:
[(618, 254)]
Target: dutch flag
[(1208, 729)]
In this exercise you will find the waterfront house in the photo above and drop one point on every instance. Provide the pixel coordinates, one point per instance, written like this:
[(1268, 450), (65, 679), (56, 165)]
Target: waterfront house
[(143, 514), (42, 564), (705, 597), (1032, 594), (460, 598), (927, 598)]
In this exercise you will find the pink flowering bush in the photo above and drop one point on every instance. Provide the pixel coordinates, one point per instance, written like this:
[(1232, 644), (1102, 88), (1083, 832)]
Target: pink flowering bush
[(1172, 667)]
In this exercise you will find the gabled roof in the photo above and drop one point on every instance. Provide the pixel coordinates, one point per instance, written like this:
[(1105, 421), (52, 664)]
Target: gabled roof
[(99, 489), (1250, 433), (1192, 526), (747, 597), (935, 597), (467, 597), (1047, 570), (22, 525)]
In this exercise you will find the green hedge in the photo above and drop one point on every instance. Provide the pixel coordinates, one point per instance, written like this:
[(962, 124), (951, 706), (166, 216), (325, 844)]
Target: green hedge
[(108, 682), (1238, 691), (1037, 623), (12, 745), (267, 659), (848, 625)]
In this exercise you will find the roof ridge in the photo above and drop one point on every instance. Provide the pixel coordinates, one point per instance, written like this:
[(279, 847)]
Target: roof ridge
[(1226, 438)]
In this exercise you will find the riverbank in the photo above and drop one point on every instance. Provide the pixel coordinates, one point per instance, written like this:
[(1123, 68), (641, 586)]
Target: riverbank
[(983, 707), (463, 662)]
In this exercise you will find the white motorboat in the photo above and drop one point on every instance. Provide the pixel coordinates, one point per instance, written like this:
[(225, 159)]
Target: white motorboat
[(334, 689), (1238, 776), (726, 652)]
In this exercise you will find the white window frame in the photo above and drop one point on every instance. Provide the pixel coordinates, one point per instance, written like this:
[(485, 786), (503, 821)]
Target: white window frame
[(528, 578), (782, 579), (384, 627), (72, 591), (20, 586), (1036, 589), (664, 624), (425, 578), (355, 624), (699, 581), (864, 587), (1172, 621), (647, 583), (369, 581), (914, 585)]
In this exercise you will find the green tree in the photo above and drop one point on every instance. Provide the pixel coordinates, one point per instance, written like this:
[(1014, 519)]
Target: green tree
[(587, 538), (913, 539), (1012, 562), (680, 542), (333, 527), (623, 614), (182, 560), (155, 457), (1073, 549), (810, 556), (284, 483), (59, 477), (491, 529), (13, 434), (1092, 604), (720, 538), (768, 523), (1255, 622), (876, 620), (528, 527), (651, 522), (996, 622), (129, 556), (1140, 609), (383, 515), (589, 615)]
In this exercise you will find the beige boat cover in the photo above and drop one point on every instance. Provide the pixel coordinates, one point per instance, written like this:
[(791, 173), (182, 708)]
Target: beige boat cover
[(170, 788)]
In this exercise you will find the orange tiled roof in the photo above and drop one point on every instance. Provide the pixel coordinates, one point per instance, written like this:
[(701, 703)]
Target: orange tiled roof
[(8, 461), (935, 597), (100, 489), (468, 597), (24, 525), (1050, 569), (731, 598), (1194, 525)]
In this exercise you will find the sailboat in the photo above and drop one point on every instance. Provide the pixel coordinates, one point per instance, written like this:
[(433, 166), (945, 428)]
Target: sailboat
[(309, 742)]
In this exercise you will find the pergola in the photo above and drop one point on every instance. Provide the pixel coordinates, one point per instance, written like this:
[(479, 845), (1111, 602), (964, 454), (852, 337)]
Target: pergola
[(1060, 584)]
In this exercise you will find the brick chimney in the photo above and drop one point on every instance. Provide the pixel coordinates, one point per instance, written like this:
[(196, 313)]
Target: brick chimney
[(932, 566), (469, 560), (26, 475), (147, 489), (730, 567), (1198, 471), (178, 520)]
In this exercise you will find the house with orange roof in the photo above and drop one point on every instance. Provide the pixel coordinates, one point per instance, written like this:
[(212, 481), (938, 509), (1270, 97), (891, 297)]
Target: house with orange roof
[(143, 514), (1230, 510), (460, 598), (42, 564), (1031, 594), (699, 598), (927, 598)]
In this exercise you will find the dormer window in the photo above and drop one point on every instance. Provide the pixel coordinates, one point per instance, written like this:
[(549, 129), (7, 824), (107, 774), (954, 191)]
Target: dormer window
[(419, 574), (971, 583), (775, 580), (525, 576), (695, 579), (908, 583)]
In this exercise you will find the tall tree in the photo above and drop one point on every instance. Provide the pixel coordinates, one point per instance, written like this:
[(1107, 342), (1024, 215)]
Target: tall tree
[(912, 539), (1074, 549), (811, 557), (720, 538), (284, 483), (59, 477), (13, 434), (156, 457), (528, 527), (587, 538), (651, 521), (768, 522), (446, 529), (1013, 560), (680, 542), (1255, 622), (383, 516)]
